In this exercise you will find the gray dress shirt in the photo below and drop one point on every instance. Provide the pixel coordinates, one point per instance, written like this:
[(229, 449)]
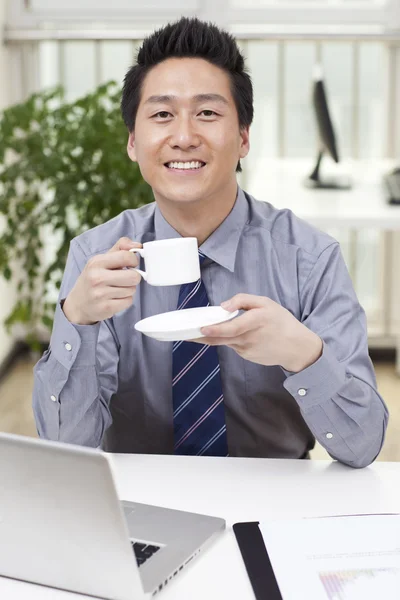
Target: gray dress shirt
[(106, 385)]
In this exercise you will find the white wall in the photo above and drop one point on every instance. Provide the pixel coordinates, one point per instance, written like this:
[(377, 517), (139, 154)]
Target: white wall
[(7, 293)]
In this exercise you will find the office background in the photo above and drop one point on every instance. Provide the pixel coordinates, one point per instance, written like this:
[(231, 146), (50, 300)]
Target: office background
[(82, 44)]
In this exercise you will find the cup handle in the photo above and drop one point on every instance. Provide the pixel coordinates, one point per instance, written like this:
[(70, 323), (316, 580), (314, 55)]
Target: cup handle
[(141, 252)]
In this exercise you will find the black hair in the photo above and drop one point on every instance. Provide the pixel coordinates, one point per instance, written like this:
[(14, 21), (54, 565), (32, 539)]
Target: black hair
[(190, 38)]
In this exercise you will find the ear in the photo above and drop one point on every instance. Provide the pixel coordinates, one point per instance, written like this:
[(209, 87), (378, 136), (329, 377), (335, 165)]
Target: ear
[(131, 147), (245, 142)]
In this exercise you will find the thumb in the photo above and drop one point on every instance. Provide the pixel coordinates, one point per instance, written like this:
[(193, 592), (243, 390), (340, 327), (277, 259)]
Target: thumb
[(245, 302), (124, 243)]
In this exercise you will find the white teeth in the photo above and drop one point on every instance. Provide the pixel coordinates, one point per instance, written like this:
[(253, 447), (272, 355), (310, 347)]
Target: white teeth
[(185, 165)]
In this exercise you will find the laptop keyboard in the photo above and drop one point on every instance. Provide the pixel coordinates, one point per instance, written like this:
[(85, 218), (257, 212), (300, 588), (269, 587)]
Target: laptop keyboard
[(143, 551)]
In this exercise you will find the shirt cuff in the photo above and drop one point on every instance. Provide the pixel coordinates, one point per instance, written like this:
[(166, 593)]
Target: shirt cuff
[(71, 344), (318, 382)]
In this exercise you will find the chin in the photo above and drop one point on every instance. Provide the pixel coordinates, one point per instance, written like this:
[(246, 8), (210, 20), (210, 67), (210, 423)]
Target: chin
[(185, 198), (182, 196)]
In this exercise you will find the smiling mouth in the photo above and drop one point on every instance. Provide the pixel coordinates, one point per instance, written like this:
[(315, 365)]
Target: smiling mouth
[(194, 165)]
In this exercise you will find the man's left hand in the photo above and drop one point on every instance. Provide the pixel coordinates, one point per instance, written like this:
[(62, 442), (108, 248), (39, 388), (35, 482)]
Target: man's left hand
[(266, 333)]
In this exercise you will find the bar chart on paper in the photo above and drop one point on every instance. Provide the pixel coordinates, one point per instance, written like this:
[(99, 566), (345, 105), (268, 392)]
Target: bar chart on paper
[(343, 557), (362, 584)]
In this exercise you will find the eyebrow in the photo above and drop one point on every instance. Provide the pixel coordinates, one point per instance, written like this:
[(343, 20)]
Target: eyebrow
[(167, 99)]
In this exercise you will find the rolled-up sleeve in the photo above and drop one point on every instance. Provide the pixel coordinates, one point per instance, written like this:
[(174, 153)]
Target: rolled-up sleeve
[(77, 375), (337, 395)]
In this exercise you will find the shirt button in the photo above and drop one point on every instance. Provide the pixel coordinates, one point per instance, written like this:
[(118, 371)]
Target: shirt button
[(329, 436), (53, 398), (302, 392), (68, 347)]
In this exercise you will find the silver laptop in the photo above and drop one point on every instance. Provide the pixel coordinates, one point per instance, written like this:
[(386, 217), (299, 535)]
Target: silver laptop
[(62, 525)]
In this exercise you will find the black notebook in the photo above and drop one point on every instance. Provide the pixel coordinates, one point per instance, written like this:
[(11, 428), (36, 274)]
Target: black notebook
[(256, 560)]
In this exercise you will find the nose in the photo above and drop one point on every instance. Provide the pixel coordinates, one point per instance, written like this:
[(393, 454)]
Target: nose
[(184, 135)]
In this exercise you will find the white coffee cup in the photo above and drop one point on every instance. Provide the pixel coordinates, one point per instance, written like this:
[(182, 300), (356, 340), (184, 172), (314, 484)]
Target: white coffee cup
[(170, 262)]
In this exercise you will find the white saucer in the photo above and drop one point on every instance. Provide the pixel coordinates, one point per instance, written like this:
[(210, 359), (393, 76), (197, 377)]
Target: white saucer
[(183, 324)]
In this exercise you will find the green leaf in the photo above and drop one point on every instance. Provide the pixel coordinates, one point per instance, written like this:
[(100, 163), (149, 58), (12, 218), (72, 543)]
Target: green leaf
[(47, 321), (63, 170), (7, 273)]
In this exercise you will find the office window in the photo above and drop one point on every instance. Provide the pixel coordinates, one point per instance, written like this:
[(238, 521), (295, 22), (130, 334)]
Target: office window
[(340, 90), (372, 107), (78, 81), (298, 125), (115, 59), (262, 60)]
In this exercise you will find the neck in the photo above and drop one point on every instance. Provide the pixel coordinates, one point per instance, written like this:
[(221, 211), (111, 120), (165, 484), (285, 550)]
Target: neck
[(199, 219)]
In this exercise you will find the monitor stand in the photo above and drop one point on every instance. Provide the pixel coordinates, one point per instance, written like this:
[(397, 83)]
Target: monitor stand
[(314, 181)]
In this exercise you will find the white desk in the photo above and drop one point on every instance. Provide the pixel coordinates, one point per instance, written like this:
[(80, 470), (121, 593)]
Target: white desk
[(280, 182), (237, 489)]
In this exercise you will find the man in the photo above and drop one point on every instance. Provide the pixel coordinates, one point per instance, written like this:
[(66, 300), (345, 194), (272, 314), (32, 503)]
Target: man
[(292, 367)]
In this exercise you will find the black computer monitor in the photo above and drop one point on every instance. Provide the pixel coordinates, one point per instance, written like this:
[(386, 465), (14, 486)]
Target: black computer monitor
[(326, 137)]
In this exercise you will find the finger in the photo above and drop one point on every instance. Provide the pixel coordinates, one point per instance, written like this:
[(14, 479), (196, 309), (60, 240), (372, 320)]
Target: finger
[(124, 243), (120, 277), (209, 341), (119, 293), (245, 302), (232, 329), (117, 259)]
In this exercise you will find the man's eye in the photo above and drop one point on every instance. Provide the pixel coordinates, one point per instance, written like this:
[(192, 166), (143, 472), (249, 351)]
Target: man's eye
[(211, 113), (163, 114)]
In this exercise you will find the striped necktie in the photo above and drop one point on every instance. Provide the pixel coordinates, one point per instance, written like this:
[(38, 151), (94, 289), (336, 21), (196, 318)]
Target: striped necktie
[(198, 401)]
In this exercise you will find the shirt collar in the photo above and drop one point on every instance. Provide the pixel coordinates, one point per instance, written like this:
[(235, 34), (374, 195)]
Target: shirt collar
[(221, 245)]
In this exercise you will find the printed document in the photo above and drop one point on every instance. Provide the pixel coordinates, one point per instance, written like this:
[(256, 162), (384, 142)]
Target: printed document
[(336, 558)]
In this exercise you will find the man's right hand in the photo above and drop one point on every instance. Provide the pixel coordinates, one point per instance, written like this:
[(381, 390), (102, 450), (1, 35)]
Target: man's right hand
[(104, 287)]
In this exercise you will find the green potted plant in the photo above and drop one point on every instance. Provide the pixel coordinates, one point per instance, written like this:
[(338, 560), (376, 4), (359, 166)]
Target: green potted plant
[(63, 170)]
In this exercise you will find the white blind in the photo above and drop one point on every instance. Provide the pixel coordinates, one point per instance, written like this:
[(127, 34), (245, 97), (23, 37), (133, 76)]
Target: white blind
[(309, 2), (314, 11), (36, 13), (33, 13), (95, 6), (305, 3)]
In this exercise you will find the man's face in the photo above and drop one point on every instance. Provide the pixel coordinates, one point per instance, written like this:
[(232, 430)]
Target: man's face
[(187, 118)]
